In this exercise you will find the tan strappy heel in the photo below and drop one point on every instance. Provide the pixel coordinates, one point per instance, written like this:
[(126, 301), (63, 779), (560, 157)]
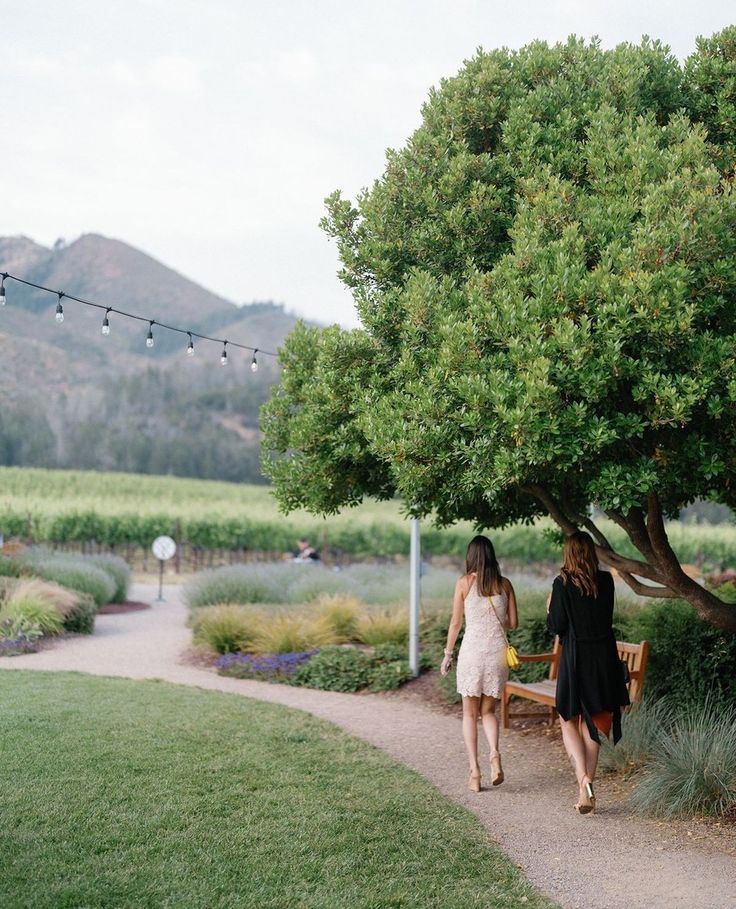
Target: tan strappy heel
[(497, 776), (474, 782), (586, 801)]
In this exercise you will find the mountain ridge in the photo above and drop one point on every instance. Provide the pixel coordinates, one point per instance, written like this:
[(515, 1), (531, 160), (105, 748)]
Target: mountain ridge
[(70, 396)]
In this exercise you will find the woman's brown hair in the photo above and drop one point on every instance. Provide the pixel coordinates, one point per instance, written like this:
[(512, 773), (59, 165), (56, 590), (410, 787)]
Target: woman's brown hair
[(480, 560), (580, 563)]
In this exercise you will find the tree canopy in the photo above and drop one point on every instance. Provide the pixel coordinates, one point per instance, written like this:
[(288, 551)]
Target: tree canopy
[(546, 279)]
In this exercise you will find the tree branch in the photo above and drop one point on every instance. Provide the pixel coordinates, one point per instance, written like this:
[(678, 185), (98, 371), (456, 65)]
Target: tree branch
[(606, 553), (553, 507)]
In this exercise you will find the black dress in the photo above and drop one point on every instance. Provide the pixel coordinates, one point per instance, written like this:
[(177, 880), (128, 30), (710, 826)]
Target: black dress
[(589, 677)]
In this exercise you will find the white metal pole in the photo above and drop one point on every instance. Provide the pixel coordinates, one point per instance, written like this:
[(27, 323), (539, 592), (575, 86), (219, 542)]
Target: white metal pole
[(415, 584)]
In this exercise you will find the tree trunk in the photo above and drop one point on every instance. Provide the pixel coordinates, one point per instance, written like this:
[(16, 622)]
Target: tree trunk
[(658, 564)]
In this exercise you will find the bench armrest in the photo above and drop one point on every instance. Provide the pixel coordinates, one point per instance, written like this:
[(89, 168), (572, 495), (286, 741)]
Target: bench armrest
[(536, 657)]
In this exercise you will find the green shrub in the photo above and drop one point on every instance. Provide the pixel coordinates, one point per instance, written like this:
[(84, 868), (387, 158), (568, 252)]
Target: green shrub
[(388, 676), (119, 571), (12, 567), (384, 627), (227, 629), (643, 728), (35, 610), (532, 636), (76, 574), (336, 669), (690, 661), (18, 635), (236, 584), (693, 770), (81, 618)]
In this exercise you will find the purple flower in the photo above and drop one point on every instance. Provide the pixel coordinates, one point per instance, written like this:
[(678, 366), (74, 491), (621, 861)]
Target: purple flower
[(269, 667)]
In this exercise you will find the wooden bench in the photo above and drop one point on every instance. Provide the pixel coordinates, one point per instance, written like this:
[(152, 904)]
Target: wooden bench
[(543, 692)]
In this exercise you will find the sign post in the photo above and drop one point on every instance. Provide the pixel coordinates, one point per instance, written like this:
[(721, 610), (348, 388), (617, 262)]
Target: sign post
[(415, 582), (163, 548)]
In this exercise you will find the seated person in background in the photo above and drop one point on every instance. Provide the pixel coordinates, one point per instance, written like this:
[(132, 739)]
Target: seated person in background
[(306, 552)]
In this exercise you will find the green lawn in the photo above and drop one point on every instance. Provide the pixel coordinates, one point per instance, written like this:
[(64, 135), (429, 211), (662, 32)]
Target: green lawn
[(142, 794)]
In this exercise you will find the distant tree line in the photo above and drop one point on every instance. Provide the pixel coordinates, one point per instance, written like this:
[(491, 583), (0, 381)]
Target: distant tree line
[(154, 422)]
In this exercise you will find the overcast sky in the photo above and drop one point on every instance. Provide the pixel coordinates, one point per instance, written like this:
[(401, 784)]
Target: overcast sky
[(208, 133)]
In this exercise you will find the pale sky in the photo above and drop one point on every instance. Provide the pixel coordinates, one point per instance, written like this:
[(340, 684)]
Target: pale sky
[(208, 133)]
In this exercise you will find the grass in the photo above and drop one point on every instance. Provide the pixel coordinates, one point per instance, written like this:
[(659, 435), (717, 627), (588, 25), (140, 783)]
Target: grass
[(65, 506), (142, 794)]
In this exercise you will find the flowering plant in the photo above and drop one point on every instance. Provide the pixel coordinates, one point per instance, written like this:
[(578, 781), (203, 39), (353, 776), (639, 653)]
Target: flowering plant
[(269, 667)]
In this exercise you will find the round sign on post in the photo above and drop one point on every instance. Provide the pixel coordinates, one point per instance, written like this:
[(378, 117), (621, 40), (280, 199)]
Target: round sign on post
[(164, 548)]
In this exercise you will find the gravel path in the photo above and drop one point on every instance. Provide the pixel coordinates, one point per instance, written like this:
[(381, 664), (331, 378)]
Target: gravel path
[(605, 861)]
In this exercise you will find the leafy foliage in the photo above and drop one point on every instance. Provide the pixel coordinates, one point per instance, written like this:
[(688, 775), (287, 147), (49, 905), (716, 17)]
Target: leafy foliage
[(690, 661), (546, 276), (336, 669)]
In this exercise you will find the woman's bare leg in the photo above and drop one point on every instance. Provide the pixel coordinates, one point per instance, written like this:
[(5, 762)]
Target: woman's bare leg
[(490, 721), (470, 731), (592, 750), (575, 748)]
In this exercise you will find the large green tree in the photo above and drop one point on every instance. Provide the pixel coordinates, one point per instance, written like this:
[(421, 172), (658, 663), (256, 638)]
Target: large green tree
[(546, 278)]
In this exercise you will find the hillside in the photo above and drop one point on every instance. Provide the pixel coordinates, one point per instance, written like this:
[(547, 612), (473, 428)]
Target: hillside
[(71, 397)]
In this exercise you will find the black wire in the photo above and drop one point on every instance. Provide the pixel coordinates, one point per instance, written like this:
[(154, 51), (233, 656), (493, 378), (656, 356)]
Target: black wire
[(130, 315)]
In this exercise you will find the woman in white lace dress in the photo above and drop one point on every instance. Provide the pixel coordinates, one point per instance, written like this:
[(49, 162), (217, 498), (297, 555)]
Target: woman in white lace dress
[(488, 603)]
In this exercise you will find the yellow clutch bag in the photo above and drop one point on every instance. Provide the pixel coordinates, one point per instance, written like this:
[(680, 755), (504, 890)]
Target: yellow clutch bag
[(512, 657)]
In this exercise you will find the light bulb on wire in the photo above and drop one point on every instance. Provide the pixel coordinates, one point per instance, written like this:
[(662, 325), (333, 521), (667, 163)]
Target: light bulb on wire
[(106, 324), (59, 310), (2, 291), (190, 345), (223, 358), (254, 362), (149, 336)]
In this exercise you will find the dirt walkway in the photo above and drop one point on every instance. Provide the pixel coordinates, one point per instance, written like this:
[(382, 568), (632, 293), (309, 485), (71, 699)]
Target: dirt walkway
[(607, 861)]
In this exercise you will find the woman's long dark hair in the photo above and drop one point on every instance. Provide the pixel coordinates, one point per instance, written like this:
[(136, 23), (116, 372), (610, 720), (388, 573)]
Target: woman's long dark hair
[(580, 563), (480, 559)]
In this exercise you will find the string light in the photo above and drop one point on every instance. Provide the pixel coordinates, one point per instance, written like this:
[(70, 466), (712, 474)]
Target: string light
[(129, 315)]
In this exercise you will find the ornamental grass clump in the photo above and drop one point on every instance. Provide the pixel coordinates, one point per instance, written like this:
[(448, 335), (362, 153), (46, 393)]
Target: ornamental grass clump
[(337, 615), (33, 608), (291, 632), (384, 628), (643, 727), (228, 629), (693, 770)]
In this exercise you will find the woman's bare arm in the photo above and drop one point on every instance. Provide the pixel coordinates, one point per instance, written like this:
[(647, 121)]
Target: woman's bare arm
[(456, 623), (512, 616)]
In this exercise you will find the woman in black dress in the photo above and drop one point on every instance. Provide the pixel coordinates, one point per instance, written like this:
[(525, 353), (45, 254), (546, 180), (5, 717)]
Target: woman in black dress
[(590, 684)]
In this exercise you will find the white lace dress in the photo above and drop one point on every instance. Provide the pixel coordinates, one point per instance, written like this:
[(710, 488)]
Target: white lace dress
[(481, 663)]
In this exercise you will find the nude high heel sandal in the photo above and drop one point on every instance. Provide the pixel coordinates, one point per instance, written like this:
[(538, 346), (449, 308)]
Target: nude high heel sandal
[(497, 776), (586, 802), (474, 782)]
